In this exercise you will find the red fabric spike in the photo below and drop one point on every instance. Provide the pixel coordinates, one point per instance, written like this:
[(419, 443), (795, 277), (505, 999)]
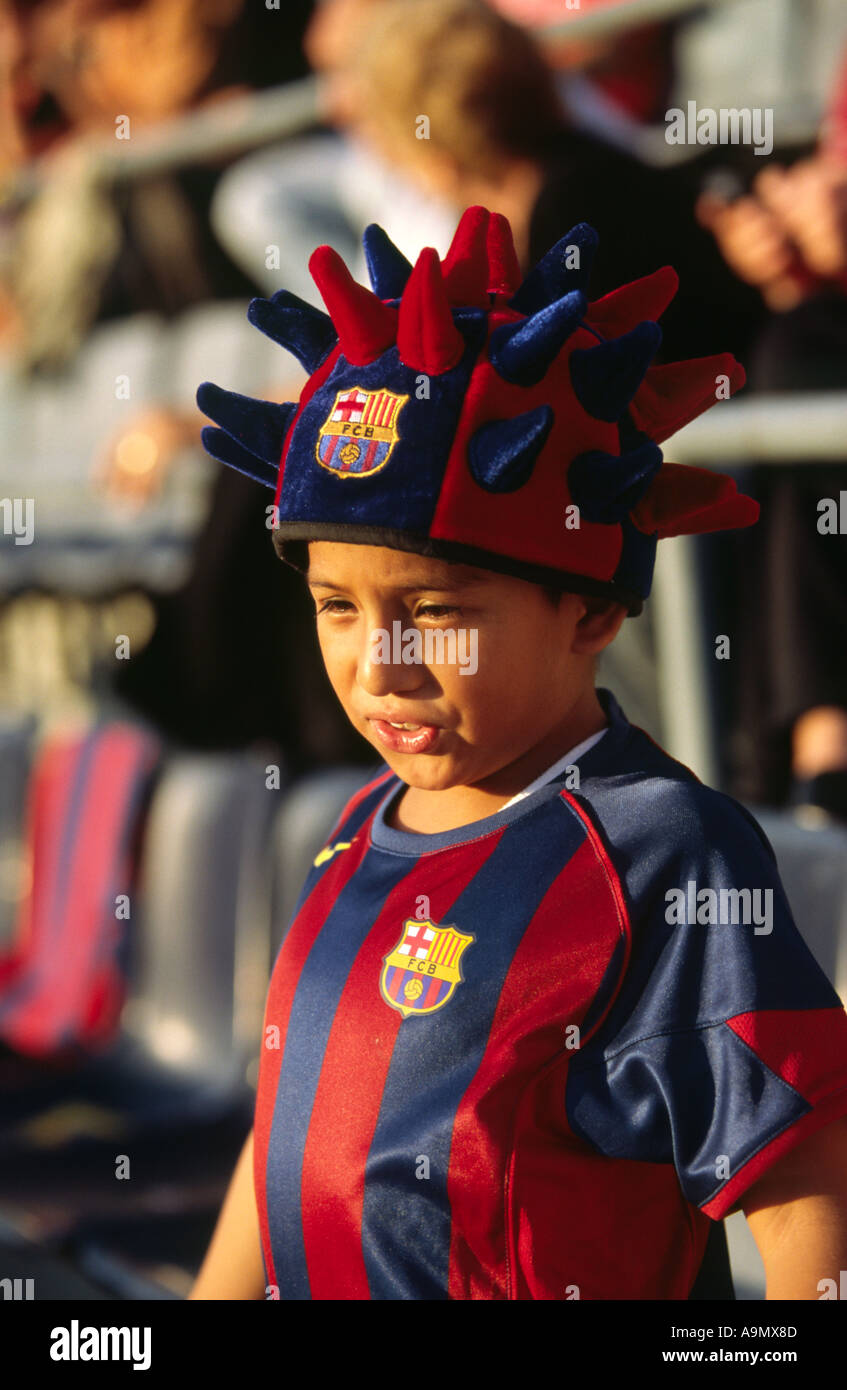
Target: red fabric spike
[(427, 338), (466, 263), (687, 501), (504, 272), (365, 326), (647, 298), (673, 394)]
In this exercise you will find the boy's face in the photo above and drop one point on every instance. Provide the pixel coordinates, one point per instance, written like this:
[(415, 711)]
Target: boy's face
[(496, 670)]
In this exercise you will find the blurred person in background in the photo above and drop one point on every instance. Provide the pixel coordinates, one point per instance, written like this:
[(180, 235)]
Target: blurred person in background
[(70, 69), (145, 245), (614, 83), (788, 237), (497, 135), (325, 186)]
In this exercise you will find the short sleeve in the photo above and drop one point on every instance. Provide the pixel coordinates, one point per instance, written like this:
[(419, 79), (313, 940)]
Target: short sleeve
[(726, 1044)]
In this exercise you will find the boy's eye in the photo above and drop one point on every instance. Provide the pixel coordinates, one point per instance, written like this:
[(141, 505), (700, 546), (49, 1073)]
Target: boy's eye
[(426, 610), (331, 605), (437, 610)]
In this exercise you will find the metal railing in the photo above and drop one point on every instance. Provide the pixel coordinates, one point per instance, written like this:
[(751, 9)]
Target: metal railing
[(236, 124), (619, 14), (789, 430)]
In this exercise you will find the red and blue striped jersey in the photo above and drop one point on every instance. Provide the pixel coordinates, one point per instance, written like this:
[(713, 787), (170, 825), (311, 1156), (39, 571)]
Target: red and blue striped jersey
[(536, 1056)]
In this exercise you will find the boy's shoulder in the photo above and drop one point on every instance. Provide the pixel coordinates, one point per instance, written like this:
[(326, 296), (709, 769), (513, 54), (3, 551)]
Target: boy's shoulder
[(664, 807), (651, 806)]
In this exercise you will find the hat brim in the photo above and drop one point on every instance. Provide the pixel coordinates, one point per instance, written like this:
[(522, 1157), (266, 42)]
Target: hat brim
[(291, 545)]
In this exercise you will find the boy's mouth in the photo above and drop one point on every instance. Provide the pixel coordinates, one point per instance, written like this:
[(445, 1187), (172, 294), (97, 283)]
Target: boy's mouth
[(405, 738)]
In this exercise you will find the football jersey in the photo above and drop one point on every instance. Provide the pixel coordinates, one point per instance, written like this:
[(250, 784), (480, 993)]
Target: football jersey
[(536, 1056)]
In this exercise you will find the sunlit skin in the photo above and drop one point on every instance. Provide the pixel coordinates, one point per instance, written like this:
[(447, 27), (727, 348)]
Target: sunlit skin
[(530, 699)]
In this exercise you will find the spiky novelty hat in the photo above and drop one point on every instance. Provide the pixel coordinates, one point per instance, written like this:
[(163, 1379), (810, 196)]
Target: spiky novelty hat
[(461, 411)]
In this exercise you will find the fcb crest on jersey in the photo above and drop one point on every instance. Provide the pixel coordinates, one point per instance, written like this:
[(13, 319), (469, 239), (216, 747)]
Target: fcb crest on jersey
[(360, 431), (420, 974)]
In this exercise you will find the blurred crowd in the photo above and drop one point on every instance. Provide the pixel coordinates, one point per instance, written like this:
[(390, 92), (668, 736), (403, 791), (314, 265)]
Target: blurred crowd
[(546, 128)]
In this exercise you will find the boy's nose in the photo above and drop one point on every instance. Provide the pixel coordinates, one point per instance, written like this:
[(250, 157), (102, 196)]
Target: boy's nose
[(381, 669)]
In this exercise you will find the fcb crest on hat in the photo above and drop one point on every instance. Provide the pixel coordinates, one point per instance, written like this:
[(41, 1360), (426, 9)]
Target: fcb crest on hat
[(461, 410), (358, 435)]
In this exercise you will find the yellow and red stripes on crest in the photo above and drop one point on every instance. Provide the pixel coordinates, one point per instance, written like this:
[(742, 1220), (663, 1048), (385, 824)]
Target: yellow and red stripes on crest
[(381, 409), (443, 950)]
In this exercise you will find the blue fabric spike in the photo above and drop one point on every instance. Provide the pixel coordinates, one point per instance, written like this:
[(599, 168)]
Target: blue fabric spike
[(259, 425), (522, 352), (387, 267), (227, 450), (502, 453), (606, 487), (552, 277), (606, 377), (295, 325)]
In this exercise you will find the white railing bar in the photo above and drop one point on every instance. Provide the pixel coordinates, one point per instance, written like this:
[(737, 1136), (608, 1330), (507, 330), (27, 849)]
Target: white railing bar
[(805, 427), (219, 129), (779, 429), (626, 14)]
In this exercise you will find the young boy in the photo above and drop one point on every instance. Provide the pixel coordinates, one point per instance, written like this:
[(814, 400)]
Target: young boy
[(542, 1017)]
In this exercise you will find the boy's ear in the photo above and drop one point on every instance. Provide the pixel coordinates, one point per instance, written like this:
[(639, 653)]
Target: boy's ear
[(599, 625)]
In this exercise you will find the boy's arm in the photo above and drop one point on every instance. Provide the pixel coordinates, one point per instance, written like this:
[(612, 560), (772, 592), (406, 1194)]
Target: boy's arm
[(233, 1267), (798, 1215)]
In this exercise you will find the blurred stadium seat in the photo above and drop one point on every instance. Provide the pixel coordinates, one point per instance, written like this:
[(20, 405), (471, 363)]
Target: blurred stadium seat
[(223, 861), (56, 428), (17, 731), (173, 1093), (203, 947), (51, 1276), (813, 867)]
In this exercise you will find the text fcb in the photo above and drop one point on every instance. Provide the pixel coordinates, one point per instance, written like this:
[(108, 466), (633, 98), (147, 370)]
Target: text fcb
[(424, 968), (359, 433)]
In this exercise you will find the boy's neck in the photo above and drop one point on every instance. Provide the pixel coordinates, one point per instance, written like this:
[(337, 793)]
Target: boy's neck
[(430, 812)]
